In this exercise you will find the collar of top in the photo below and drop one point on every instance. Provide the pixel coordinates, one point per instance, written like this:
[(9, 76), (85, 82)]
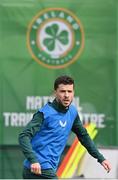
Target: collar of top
[(59, 107)]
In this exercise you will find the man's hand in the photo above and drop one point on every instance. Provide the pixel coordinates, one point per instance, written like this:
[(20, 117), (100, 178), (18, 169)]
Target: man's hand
[(36, 168), (106, 164)]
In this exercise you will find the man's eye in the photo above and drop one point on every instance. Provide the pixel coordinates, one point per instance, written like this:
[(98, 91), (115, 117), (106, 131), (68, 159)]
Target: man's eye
[(63, 91)]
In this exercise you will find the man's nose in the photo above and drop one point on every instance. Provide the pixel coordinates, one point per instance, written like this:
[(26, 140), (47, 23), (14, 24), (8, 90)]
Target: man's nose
[(66, 94)]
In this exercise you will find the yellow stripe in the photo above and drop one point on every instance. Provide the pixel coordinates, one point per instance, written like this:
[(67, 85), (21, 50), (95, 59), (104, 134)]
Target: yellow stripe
[(82, 163), (82, 150), (76, 155)]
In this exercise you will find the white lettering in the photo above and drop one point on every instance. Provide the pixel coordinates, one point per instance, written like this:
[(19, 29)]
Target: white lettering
[(61, 15), (75, 26), (16, 119), (39, 21), (30, 102), (37, 102), (98, 119), (69, 19), (53, 14), (101, 120), (6, 116), (46, 16)]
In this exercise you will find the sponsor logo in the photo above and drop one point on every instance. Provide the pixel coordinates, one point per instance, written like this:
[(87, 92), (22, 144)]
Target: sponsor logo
[(62, 124), (55, 38)]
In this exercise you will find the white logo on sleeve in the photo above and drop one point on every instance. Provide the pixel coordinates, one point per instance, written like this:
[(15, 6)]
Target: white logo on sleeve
[(62, 124)]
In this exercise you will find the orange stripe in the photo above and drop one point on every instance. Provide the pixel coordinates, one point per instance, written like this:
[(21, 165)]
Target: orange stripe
[(66, 158)]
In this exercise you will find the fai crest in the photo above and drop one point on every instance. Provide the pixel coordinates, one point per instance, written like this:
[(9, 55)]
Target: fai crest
[(55, 38)]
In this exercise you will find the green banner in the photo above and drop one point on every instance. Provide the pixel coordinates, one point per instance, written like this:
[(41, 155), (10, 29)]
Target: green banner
[(41, 40)]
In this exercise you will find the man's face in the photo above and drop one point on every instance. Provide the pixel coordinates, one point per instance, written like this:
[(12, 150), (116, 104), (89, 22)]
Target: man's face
[(64, 94)]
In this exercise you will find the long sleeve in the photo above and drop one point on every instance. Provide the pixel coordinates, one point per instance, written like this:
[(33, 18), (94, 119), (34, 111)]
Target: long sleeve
[(85, 140), (27, 134)]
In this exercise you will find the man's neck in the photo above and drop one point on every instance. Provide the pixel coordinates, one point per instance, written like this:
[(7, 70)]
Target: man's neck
[(59, 106)]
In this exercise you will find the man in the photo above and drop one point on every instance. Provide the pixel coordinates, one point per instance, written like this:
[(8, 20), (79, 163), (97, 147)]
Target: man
[(44, 138)]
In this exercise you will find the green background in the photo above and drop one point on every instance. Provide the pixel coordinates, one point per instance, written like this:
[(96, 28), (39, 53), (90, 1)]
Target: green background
[(95, 71)]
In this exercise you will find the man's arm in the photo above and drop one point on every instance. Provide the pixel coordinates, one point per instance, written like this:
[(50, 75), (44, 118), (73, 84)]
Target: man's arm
[(26, 136), (88, 143)]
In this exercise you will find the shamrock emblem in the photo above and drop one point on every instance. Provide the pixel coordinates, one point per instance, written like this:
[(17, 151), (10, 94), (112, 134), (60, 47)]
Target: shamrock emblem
[(54, 35)]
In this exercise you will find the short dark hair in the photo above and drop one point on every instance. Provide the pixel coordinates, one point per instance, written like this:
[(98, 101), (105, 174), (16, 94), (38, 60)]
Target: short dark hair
[(63, 80)]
